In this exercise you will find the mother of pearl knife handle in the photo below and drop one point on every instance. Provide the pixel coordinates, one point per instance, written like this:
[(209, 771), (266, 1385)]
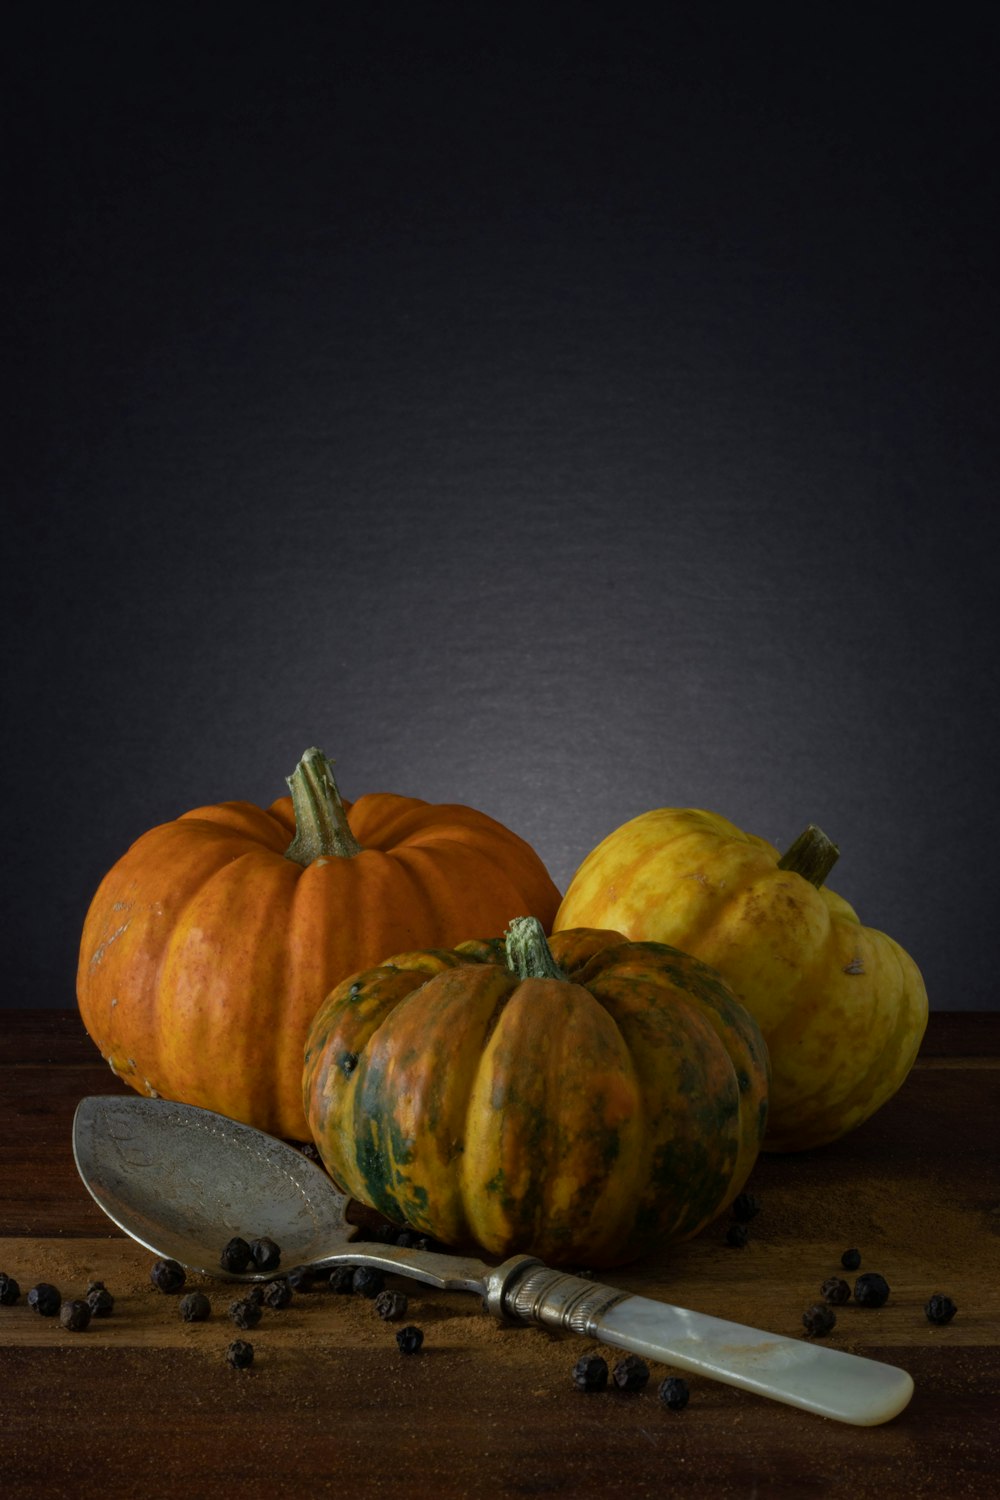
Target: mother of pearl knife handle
[(800, 1372)]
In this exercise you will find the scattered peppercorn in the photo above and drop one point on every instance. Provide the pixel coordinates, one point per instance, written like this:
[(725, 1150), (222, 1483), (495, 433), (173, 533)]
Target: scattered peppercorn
[(167, 1276), (240, 1354), (851, 1260), (590, 1373), (630, 1373), (745, 1207), (266, 1254), (9, 1290), (818, 1320), (45, 1298), (75, 1315), (409, 1339), (278, 1293), (406, 1238), (737, 1236), (391, 1306), (342, 1279), (369, 1281), (835, 1291), (309, 1151), (100, 1300), (674, 1393), (871, 1290), (244, 1313), (940, 1309), (194, 1307), (236, 1256), (304, 1279)]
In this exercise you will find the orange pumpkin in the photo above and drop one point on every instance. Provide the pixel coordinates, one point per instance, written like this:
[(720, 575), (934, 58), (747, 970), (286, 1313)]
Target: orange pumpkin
[(211, 943)]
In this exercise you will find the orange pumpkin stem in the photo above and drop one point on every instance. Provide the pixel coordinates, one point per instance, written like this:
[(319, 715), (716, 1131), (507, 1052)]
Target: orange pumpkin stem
[(321, 826), (528, 954), (812, 856)]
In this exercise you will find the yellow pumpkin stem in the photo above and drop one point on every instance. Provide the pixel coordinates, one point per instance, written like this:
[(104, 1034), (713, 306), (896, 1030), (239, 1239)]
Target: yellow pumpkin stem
[(528, 954), (321, 826), (812, 856)]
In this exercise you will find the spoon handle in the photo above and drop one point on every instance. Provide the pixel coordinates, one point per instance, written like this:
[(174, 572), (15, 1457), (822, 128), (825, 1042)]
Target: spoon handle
[(799, 1372)]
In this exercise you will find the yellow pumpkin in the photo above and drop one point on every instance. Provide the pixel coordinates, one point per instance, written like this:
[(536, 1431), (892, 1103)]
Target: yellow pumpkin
[(842, 1007)]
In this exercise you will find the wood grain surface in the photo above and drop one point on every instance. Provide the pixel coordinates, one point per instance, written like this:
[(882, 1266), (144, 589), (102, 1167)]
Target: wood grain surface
[(143, 1403)]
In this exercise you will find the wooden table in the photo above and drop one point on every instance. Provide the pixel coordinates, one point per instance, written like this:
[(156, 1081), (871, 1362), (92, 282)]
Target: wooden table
[(142, 1403)]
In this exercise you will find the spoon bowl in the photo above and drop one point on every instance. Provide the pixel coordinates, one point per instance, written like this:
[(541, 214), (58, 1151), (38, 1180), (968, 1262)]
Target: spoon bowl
[(183, 1181)]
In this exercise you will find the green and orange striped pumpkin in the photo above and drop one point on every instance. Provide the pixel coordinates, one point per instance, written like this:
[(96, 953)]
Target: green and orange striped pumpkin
[(582, 1102)]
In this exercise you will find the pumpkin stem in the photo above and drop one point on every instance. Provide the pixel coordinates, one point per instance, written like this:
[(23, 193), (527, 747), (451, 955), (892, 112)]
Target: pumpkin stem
[(812, 856), (528, 954), (321, 826)]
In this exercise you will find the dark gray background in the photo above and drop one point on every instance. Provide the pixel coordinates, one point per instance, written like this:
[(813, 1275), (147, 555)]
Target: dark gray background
[(564, 411)]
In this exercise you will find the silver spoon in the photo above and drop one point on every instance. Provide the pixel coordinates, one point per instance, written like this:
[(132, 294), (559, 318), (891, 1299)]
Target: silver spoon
[(183, 1181)]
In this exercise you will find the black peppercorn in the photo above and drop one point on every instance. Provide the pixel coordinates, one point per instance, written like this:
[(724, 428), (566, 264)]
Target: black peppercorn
[(9, 1290), (266, 1254), (236, 1256), (240, 1354), (674, 1393), (851, 1260), (342, 1279), (100, 1300), (244, 1313), (835, 1291), (309, 1150), (590, 1373), (278, 1293), (818, 1320), (369, 1281), (167, 1276), (630, 1373), (304, 1279), (871, 1290), (391, 1306), (409, 1339), (940, 1309), (736, 1235), (75, 1315), (45, 1299), (745, 1207), (194, 1307)]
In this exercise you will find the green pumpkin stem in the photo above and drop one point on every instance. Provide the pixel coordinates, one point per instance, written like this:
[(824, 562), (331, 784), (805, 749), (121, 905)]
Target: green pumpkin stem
[(812, 856), (528, 954), (321, 826)]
